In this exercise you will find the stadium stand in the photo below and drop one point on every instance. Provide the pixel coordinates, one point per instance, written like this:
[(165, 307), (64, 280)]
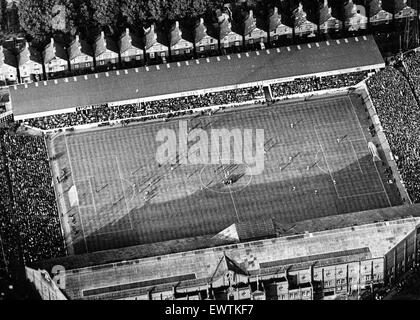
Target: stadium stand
[(30, 216), (196, 77), (350, 249), (399, 114), (311, 259), (146, 110), (178, 106), (302, 85)]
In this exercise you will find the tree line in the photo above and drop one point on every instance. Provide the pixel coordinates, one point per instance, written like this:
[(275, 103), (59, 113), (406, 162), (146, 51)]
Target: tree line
[(83, 16), (36, 17)]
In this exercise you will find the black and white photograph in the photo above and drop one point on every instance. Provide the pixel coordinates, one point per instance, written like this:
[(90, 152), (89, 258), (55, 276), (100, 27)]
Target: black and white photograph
[(222, 152)]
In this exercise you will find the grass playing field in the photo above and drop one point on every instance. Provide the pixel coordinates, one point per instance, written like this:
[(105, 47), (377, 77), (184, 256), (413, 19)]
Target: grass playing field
[(126, 198)]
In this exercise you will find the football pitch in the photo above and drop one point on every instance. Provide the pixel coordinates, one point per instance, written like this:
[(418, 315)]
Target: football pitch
[(316, 163)]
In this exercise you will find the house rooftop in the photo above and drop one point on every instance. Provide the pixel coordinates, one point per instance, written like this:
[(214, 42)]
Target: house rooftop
[(129, 40), (79, 47), (104, 43), (53, 50), (29, 53)]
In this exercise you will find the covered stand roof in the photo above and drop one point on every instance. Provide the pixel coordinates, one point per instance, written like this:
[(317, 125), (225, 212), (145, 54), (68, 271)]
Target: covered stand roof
[(120, 86), (331, 240)]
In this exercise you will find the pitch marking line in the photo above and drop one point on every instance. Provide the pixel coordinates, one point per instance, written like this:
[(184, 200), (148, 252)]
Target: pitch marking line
[(125, 199), (86, 206), (361, 195), (78, 208), (93, 196), (355, 154), (326, 161), (230, 190), (361, 130), (4, 256), (316, 160)]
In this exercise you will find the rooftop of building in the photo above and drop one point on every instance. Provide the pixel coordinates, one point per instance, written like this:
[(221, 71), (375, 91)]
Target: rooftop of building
[(79, 47), (124, 85), (326, 241)]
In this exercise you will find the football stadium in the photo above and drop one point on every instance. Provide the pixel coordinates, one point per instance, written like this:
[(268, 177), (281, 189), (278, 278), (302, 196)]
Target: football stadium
[(333, 211)]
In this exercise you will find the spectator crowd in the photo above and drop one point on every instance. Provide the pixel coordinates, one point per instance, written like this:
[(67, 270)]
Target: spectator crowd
[(28, 214), (411, 63), (399, 114), (181, 105), (148, 110), (310, 84)]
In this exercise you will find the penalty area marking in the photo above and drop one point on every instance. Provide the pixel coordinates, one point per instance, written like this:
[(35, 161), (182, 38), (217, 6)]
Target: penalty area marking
[(78, 208), (122, 186), (328, 166), (374, 163)]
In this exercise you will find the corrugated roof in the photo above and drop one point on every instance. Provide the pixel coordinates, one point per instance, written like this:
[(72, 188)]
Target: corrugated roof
[(190, 76)]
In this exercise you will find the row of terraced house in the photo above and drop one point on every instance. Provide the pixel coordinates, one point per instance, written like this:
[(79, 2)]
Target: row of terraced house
[(131, 49)]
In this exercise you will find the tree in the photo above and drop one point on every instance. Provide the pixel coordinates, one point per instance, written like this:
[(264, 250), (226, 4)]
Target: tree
[(35, 18), (134, 11), (83, 16), (106, 12), (198, 7)]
